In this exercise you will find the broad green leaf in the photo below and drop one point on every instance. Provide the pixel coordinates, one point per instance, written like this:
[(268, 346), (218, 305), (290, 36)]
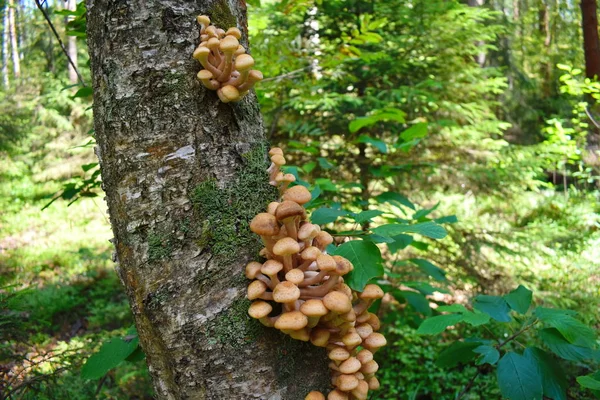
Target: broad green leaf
[(387, 114), (87, 167), (457, 352), (494, 306), (326, 215), (489, 354), (554, 381), (399, 242), (324, 163), (428, 229), (519, 299), (379, 144), (519, 378), (308, 167), (573, 330), (367, 215), (111, 354), (476, 318), (366, 258), (454, 308), (378, 238), (435, 272), (415, 299), (590, 381), (415, 132), (84, 92), (425, 212), (137, 355), (326, 184), (450, 219), (562, 348), (425, 287), (437, 324), (395, 199)]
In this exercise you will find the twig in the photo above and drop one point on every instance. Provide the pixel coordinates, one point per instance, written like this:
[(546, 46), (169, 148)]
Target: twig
[(513, 336), (589, 114), (62, 46), (468, 386), (286, 75)]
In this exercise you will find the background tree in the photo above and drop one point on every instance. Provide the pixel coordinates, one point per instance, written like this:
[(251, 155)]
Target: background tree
[(183, 175)]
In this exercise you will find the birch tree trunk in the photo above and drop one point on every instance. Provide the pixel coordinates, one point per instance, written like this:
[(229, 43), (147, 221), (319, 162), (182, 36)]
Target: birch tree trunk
[(72, 46), (5, 45), (183, 175), (13, 39)]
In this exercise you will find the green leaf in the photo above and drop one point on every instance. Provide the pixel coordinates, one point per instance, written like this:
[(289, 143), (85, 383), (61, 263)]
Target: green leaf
[(85, 91), (367, 215), (432, 270), (323, 163), (554, 381), (87, 167), (379, 144), (137, 355), (111, 354), (457, 352), (395, 199), (326, 215), (415, 299), (496, 307), (573, 330), (589, 381), (393, 114), (519, 378), (438, 324), (308, 167), (366, 258), (476, 318), (454, 308), (490, 355), (425, 212), (425, 287), (428, 229), (399, 242), (562, 348), (415, 132), (519, 299), (450, 219)]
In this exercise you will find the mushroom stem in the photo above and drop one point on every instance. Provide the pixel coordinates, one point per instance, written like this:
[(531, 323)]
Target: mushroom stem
[(314, 279), (201, 54), (269, 282), (319, 291)]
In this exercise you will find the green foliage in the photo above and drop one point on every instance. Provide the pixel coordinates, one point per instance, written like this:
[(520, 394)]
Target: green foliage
[(111, 354)]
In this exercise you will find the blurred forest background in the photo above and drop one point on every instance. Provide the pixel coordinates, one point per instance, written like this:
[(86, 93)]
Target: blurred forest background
[(479, 110)]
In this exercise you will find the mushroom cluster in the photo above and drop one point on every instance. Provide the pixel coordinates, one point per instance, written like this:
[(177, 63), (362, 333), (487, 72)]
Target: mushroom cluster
[(300, 290), (227, 67)]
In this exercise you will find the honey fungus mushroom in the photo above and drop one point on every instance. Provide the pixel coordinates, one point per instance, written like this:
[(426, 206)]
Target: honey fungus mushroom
[(301, 281), (227, 67)]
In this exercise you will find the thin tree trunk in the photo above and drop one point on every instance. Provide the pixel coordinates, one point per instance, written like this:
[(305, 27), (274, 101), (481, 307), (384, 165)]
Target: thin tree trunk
[(72, 46), (480, 58), (183, 175), (546, 33), (5, 45), (591, 43), (13, 39)]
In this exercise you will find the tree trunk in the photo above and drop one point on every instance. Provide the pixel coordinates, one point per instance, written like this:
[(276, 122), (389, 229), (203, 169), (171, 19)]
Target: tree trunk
[(12, 21), (591, 43), (183, 175), (546, 33), (72, 46), (5, 36), (480, 58)]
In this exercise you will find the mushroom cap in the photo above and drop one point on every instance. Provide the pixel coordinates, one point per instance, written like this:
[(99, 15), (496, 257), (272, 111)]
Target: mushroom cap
[(278, 159), (338, 354), (253, 269), (346, 383), (310, 253), (343, 265), (364, 330), (342, 287), (228, 93), (211, 31), (337, 395), (298, 194), (255, 76), (264, 224), (229, 44), (293, 320), (240, 50), (350, 366), (323, 239), (286, 246), (313, 308), (271, 267), (352, 339), (326, 263), (201, 52), (364, 356), (373, 383), (272, 207), (371, 292), (350, 316), (256, 289), (203, 20), (314, 395), (375, 340), (286, 292), (364, 317), (370, 367), (205, 74), (213, 43), (275, 150), (374, 322), (337, 302), (308, 231), (361, 392), (319, 337), (244, 62), (288, 209), (235, 32), (296, 276), (259, 309), (300, 334)]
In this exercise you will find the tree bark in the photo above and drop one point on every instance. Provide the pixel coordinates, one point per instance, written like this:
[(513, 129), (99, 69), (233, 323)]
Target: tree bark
[(183, 175), (5, 45), (72, 46), (591, 43), (481, 57), (13, 39)]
